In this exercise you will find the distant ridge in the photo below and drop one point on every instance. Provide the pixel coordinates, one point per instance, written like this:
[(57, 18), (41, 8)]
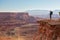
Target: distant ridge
[(44, 13)]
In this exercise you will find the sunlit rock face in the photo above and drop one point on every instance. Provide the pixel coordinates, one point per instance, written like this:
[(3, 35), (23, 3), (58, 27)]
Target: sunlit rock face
[(48, 30)]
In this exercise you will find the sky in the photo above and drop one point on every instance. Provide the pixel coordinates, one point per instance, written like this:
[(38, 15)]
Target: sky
[(24, 5)]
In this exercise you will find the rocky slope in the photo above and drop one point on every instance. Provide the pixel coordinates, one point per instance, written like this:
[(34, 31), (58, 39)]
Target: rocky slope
[(17, 24)]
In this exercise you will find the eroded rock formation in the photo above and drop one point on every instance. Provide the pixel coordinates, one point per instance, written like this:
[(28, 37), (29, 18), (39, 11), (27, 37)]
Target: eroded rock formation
[(48, 30)]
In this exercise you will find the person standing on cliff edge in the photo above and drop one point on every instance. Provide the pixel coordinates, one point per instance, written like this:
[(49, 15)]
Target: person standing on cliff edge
[(51, 12)]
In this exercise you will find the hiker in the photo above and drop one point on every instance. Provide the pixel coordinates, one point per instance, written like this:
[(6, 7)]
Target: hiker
[(51, 12)]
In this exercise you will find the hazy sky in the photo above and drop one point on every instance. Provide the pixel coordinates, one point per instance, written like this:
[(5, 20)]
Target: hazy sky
[(23, 5)]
